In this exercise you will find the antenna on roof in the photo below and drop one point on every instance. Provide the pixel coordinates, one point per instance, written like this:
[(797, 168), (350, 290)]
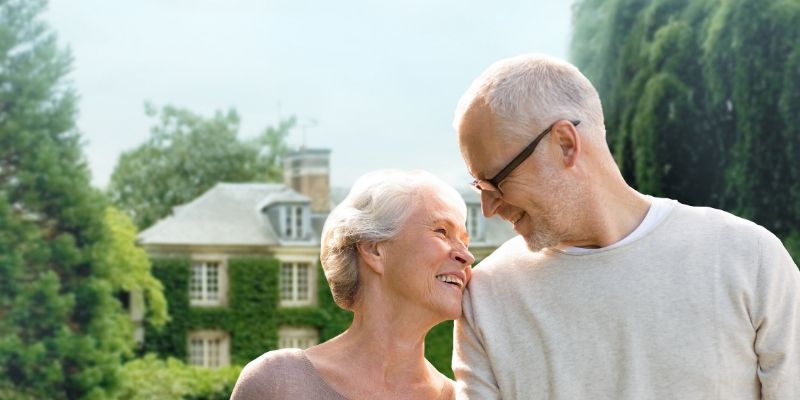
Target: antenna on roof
[(307, 123)]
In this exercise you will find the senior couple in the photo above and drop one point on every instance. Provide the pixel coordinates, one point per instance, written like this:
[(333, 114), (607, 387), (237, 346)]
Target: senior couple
[(605, 294)]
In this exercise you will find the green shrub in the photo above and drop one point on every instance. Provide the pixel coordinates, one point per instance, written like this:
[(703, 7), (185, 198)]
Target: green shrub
[(792, 243), (149, 378)]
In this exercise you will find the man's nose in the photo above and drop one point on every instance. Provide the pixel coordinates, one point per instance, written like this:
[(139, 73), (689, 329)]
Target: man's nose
[(490, 201)]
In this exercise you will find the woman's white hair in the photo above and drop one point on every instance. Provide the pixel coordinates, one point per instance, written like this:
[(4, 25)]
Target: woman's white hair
[(529, 92), (374, 211)]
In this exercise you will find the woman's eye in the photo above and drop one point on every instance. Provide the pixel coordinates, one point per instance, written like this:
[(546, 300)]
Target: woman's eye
[(441, 231)]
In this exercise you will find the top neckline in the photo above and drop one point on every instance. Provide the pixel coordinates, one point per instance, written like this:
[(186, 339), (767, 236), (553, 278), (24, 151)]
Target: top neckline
[(319, 376)]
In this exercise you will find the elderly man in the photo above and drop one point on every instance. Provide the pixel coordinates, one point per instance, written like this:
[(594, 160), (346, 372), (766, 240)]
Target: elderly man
[(608, 293)]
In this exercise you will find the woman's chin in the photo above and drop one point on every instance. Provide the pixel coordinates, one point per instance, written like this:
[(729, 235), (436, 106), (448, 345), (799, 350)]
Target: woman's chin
[(450, 311)]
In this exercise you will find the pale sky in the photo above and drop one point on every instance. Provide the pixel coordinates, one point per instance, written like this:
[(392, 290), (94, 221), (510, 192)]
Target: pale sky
[(374, 81)]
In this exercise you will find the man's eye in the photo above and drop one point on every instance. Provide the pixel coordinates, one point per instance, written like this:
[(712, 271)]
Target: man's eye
[(441, 231)]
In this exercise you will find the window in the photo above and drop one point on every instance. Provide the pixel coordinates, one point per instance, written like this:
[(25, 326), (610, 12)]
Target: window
[(208, 349), (295, 283), (293, 222), (474, 222), (296, 337), (205, 283), (137, 309)]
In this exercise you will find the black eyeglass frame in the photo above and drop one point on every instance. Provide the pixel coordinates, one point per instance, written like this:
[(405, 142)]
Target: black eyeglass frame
[(494, 182)]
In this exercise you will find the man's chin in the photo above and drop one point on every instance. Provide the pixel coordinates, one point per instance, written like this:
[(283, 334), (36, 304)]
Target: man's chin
[(536, 244)]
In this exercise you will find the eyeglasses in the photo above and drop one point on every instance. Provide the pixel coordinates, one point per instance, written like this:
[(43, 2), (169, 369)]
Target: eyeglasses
[(493, 184)]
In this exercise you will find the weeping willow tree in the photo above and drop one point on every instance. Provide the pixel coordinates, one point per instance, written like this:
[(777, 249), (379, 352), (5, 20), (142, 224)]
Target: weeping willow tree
[(700, 99)]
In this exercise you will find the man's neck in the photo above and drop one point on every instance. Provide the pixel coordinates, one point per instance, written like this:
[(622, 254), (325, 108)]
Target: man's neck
[(612, 214)]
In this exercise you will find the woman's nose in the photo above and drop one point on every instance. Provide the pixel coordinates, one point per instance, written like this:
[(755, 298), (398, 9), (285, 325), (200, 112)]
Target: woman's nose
[(463, 255)]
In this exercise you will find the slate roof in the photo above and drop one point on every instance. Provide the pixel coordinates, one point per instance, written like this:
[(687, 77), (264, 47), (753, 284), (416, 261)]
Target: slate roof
[(230, 214), (227, 214)]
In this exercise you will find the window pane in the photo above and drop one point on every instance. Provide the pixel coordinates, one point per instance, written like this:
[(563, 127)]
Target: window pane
[(212, 281), (302, 282), (286, 281), (213, 352), (196, 352), (472, 222), (297, 337), (298, 222), (196, 282), (288, 223)]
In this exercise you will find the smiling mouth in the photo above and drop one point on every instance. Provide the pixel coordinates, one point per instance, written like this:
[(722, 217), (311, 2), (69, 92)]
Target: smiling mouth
[(450, 279)]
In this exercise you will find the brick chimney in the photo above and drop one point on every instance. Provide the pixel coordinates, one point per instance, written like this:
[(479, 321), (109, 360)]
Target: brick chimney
[(307, 171)]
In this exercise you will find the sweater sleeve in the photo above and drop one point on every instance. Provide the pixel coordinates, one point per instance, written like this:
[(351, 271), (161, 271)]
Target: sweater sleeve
[(473, 371), (254, 382), (776, 320)]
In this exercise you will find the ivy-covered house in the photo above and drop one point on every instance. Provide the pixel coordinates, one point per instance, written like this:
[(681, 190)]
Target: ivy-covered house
[(240, 266)]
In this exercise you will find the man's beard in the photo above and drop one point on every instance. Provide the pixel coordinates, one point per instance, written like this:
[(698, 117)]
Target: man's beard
[(542, 237), (553, 227)]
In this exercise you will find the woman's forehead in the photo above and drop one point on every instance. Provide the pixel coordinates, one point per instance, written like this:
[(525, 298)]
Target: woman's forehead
[(435, 211)]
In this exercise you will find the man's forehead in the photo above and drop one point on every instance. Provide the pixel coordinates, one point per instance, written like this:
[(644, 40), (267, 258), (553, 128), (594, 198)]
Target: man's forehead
[(479, 140), (478, 118)]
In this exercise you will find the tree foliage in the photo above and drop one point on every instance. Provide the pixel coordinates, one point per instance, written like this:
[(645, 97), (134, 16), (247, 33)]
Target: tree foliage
[(59, 317), (149, 378), (186, 155), (127, 266), (699, 99)]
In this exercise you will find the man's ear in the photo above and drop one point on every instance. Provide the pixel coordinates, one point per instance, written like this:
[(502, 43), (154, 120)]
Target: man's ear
[(569, 141), (372, 254)]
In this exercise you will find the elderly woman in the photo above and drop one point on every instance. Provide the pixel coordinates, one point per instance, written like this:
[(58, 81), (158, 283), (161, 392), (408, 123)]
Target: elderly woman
[(395, 254)]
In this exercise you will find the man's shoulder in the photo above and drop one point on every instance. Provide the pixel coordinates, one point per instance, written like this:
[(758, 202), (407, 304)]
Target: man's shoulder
[(506, 259), (709, 219), (513, 250)]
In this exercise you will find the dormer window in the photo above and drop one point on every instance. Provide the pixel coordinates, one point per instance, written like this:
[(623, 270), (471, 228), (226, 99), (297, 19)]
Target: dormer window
[(294, 221)]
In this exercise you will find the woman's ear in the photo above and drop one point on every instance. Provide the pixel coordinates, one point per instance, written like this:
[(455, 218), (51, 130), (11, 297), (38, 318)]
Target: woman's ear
[(372, 254)]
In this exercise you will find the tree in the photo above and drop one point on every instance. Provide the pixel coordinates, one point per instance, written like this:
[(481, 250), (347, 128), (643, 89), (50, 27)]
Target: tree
[(186, 155), (59, 317), (128, 267), (699, 99)]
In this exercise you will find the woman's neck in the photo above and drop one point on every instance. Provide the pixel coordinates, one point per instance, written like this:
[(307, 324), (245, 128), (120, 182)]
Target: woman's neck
[(386, 354)]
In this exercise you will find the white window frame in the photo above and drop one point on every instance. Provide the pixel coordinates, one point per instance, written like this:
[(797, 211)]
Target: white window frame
[(475, 223), (207, 339), (292, 225), (295, 300), (297, 337), (137, 310), (206, 300)]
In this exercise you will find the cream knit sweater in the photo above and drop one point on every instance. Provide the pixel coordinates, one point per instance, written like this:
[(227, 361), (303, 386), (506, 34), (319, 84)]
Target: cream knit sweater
[(705, 306)]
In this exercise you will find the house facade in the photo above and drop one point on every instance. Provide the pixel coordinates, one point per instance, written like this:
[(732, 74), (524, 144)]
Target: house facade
[(279, 224)]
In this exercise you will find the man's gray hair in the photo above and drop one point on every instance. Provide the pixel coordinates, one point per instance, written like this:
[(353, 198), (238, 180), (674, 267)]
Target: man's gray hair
[(529, 92), (375, 210)]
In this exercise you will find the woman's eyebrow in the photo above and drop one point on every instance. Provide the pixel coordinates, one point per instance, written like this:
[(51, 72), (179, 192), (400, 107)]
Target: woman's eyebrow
[(464, 236), (441, 220)]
